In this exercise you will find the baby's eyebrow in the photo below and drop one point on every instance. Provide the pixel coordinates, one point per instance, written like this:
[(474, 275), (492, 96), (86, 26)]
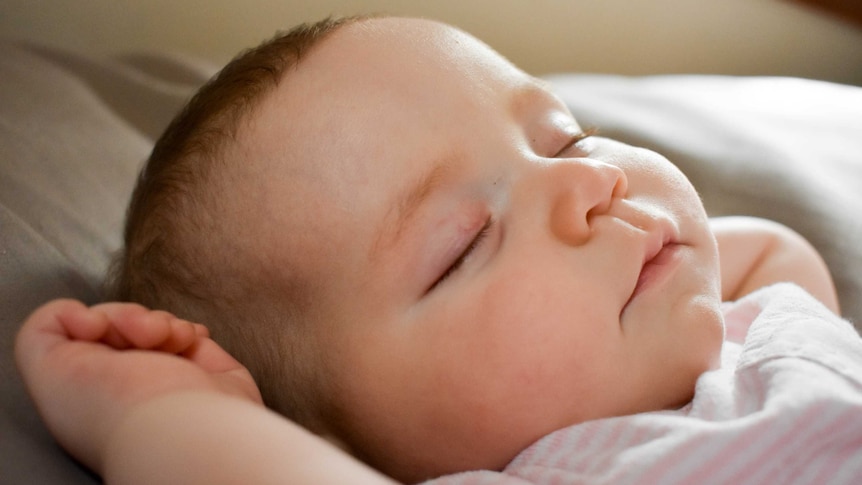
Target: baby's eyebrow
[(407, 202)]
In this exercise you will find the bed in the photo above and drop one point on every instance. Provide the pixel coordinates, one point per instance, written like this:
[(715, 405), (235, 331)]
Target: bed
[(74, 130)]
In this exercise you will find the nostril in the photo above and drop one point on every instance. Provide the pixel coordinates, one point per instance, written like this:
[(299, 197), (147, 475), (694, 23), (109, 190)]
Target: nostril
[(602, 208), (584, 189), (621, 185), (570, 219)]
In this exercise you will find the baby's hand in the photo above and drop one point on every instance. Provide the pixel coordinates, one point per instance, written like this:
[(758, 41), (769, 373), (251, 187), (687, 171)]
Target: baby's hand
[(86, 368)]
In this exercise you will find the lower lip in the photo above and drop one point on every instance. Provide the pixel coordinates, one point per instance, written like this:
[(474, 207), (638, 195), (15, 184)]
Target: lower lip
[(654, 271)]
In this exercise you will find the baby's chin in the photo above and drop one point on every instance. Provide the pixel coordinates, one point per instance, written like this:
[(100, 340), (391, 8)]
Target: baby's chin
[(711, 361)]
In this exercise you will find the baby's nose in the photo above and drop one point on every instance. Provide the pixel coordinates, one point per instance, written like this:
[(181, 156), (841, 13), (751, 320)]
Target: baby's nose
[(582, 189)]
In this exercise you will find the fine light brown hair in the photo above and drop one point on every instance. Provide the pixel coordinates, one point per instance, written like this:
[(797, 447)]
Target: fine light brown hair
[(180, 253)]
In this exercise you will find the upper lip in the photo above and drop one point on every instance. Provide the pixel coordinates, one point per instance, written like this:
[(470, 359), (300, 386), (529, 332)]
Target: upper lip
[(655, 242), (660, 233)]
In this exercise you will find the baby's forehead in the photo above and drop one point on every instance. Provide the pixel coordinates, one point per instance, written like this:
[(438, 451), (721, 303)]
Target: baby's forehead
[(381, 58), (352, 98), (410, 41)]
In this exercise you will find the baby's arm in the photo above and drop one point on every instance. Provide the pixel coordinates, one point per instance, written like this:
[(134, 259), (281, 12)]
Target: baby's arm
[(757, 252), (205, 438), (141, 396)]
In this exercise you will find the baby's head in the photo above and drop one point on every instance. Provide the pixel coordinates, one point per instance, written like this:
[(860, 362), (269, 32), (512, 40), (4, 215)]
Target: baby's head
[(417, 251)]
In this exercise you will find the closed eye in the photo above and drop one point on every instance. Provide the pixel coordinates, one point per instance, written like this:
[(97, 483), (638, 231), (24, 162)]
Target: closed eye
[(477, 241), (576, 139)]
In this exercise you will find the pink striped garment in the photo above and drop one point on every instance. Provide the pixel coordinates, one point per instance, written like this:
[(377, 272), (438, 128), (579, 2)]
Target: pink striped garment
[(784, 408)]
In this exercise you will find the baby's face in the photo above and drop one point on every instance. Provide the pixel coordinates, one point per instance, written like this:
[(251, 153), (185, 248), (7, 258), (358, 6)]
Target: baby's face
[(484, 281)]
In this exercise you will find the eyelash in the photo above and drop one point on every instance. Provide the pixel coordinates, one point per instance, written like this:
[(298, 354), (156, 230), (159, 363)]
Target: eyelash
[(577, 139), (477, 241)]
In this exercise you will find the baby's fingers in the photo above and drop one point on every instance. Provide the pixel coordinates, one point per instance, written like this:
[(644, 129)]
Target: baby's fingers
[(137, 327), (54, 323), (62, 320)]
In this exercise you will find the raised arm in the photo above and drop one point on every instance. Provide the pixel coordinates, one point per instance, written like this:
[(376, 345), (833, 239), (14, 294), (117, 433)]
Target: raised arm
[(143, 397), (207, 439), (757, 252)]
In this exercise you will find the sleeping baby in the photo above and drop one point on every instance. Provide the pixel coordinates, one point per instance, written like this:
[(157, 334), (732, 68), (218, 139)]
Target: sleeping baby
[(412, 263)]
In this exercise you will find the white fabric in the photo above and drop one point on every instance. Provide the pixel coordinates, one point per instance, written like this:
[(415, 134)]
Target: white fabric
[(785, 407)]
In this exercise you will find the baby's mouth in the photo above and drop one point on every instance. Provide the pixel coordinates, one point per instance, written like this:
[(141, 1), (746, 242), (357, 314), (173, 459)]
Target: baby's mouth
[(659, 259), (659, 249), (655, 265)]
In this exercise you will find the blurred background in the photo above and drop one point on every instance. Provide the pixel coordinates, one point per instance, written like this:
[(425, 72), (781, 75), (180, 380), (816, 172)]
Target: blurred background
[(812, 39)]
